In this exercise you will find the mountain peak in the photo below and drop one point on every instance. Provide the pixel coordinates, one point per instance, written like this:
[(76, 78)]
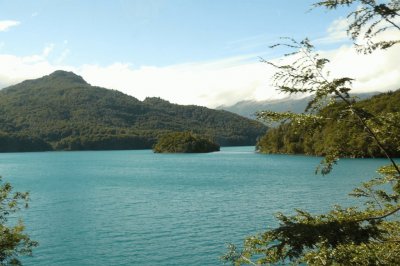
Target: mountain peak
[(67, 76), (58, 79), (60, 112)]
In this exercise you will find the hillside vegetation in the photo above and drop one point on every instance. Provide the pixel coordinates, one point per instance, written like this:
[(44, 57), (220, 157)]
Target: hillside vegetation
[(63, 112), (340, 131)]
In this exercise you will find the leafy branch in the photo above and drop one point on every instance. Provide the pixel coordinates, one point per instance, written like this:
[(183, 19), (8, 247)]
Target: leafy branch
[(369, 19), (13, 241), (342, 236)]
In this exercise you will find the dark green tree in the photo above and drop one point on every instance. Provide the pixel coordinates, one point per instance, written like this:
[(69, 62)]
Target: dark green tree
[(184, 142), (367, 235), (14, 242)]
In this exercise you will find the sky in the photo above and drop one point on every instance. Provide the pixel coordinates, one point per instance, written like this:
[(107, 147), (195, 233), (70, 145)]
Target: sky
[(203, 52)]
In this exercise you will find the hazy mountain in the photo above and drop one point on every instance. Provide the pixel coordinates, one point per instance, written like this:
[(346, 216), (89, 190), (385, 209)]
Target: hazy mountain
[(249, 108), (62, 111)]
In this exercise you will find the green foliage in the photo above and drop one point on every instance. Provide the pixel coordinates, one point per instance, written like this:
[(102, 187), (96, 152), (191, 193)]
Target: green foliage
[(335, 128), (21, 143), (369, 19), (343, 236), (13, 241), (184, 142), (368, 234), (63, 112)]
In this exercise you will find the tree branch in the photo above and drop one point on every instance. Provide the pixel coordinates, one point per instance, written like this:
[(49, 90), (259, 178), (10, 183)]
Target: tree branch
[(349, 104), (394, 24), (247, 260), (381, 216)]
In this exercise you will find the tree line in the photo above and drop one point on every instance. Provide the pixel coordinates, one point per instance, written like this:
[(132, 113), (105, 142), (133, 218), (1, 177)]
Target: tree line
[(339, 130)]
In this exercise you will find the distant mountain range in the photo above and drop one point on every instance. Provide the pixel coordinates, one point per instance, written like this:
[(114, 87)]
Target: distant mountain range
[(249, 108), (62, 111)]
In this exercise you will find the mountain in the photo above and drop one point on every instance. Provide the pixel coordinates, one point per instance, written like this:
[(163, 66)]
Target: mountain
[(341, 131), (249, 108), (62, 111)]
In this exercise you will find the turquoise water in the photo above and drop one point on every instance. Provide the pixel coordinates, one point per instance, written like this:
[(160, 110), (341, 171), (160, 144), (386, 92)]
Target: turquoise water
[(141, 208)]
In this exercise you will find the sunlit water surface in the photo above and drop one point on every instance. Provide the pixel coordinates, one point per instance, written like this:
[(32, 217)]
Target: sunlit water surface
[(141, 208)]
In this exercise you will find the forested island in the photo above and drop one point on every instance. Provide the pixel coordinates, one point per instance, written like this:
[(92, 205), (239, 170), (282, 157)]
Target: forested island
[(184, 142), (62, 111), (339, 130)]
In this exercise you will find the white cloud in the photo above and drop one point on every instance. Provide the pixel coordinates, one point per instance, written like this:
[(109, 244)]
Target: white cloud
[(231, 80), (15, 69), (221, 82), (337, 32), (5, 25), (378, 71), (209, 84), (47, 50), (64, 54)]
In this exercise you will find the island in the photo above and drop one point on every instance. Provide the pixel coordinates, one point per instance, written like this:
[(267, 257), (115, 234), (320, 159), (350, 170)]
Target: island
[(184, 142)]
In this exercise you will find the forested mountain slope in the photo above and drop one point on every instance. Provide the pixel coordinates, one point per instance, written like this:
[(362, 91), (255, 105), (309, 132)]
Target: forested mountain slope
[(340, 131), (63, 112)]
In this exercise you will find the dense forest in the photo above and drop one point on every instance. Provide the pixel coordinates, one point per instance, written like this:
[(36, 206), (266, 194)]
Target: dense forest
[(184, 142), (61, 111), (338, 131)]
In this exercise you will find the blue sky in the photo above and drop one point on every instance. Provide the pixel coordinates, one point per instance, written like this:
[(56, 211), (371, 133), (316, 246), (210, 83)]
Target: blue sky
[(157, 32), (148, 39)]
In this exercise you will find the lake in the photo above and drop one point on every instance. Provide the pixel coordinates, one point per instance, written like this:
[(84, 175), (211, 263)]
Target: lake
[(141, 208)]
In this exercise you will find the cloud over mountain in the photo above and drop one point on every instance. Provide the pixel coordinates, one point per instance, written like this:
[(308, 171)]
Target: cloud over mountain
[(212, 83)]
